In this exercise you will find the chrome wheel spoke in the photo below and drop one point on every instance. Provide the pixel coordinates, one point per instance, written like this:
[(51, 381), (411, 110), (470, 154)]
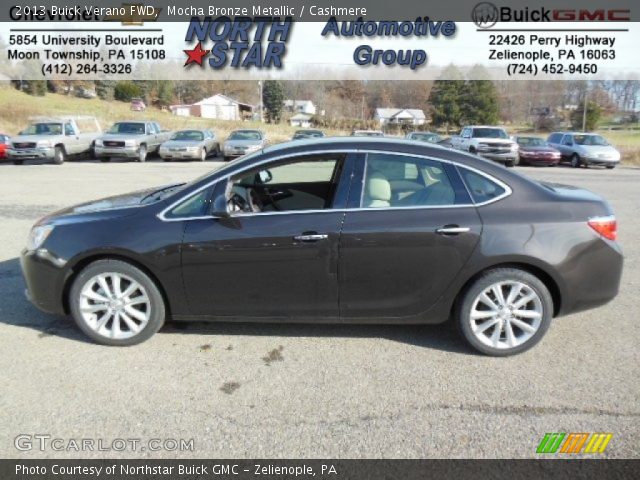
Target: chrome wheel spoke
[(497, 293), (482, 314), (133, 326), (484, 326), (527, 314), (102, 281), (495, 336), (484, 298), (137, 314), (511, 339), (524, 300), (96, 297), (98, 307), (514, 293), (523, 325)]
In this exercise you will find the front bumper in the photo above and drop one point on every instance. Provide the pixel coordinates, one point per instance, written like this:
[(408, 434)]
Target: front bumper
[(540, 160), (600, 161), (179, 155), (46, 153), (117, 152), (511, 156), (45, 276)]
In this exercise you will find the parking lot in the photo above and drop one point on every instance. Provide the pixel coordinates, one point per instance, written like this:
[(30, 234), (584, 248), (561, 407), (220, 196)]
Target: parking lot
[(305, 391)]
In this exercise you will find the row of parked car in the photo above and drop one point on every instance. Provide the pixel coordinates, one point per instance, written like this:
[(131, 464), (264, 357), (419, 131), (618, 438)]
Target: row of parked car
[(55, 139)]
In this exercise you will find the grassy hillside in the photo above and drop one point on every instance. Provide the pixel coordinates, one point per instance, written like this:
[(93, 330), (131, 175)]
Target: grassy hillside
[(16, 107)]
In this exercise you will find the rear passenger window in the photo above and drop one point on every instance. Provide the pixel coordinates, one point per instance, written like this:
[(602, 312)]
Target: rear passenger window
[(480, 187), (405, 181)]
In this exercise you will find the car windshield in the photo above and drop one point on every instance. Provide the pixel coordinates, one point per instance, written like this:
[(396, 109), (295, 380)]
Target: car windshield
[(43, 129), (189, 136), (590, 140), (128, 128), (425, 137), (245, 135), (531, 142), (489, 133), (309, 134)]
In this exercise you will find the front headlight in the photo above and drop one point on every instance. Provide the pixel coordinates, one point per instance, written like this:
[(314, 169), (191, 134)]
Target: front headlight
[(43, 144), (193, 149), (514, 147), (38, 235), (130, 143), (99, 143)]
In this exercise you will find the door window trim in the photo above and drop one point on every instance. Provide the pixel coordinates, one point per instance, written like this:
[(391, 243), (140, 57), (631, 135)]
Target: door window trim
[(225, 178)]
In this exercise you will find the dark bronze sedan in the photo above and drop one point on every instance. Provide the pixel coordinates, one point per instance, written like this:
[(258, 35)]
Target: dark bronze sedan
[(332, 230), (536, 151)]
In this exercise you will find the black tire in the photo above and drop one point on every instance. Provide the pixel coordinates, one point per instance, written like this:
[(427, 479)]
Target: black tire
[(462, 313), (510, 163), (575, 161), (610, 167), (157, 305), (59, 155), (142, 153), (226, 159), (217, 152), (105, 159), (18, 162)]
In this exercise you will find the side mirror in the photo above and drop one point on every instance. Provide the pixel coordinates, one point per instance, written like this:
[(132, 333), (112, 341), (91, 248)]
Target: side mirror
[(265, 176), (219, 207)]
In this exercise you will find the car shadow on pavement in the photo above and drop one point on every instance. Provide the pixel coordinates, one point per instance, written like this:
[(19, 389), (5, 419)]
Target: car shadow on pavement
[(17, 311)]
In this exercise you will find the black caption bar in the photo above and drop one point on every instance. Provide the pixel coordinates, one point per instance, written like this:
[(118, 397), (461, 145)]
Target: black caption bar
[(319, 469)]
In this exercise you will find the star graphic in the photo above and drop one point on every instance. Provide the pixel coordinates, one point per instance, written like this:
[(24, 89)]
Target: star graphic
[(195, 55)]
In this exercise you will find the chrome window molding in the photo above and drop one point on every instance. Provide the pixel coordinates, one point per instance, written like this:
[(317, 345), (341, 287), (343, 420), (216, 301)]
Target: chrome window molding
[(507, 189)]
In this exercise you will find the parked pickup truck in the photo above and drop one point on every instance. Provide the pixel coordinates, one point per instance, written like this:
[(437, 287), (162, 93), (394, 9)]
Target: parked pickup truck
[(131, 139), (492, 143), (54, 139)]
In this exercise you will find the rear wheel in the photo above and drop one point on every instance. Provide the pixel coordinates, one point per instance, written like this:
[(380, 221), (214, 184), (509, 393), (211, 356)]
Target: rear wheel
[(510, 163), (18, 162), (105, 159), (115, 303), (575, 161), (506, 311), (611, 167), (58, 155)]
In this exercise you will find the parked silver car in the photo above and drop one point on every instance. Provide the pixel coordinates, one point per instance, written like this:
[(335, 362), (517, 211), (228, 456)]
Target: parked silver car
[(241, 142), (584, 149), (190, 145)]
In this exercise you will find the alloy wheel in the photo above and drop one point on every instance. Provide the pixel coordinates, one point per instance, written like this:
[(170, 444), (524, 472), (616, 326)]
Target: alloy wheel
[(506, 314), (114, 305)]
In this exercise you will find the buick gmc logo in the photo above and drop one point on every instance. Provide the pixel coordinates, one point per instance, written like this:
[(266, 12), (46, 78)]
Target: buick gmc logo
[(486, 15)]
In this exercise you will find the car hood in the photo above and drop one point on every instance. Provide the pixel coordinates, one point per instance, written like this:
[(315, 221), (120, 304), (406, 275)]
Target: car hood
[(32, 138), (503, 141), (120, 136), (115, 206), (243, 143), (182, 143)]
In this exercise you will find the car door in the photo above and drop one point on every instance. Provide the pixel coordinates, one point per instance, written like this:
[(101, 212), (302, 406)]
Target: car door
[(72, 139), (280, 263), (398, 255)]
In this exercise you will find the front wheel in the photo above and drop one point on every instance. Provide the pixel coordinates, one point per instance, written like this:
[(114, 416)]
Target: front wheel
[(203, 154), (58, 156), (610, 167), (18, 162), (510, 163), (117, 304), (142, 153), (506, 311), (575, 161)]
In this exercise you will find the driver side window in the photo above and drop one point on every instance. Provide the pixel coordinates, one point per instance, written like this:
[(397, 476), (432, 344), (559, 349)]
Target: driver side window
[(307, 183)]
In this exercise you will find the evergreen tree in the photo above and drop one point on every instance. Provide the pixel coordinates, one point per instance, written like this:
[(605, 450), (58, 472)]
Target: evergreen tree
[(273, 100), (165, 92), (480, 103), (594, 112), (105, 89)]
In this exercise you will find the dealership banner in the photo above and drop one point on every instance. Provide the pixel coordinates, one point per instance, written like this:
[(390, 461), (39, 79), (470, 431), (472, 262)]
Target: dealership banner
[(401, 40)]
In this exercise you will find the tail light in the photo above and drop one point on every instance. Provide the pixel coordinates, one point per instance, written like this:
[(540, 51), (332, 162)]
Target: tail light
[(605, 226)]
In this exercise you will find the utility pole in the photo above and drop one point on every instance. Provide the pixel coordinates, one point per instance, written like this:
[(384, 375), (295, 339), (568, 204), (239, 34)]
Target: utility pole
[(584, 112)]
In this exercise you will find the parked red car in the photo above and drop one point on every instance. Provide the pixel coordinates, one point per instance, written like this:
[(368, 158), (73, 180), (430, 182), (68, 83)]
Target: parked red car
[(4, 145), (138, 105), (536, 151)]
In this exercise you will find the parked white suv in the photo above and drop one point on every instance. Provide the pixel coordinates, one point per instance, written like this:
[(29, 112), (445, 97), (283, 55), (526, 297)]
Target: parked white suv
[(492, 143)]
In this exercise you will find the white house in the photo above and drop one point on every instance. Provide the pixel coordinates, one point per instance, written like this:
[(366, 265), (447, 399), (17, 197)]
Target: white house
[(219, 107), (400, 116), (300, 106), (302, 120)]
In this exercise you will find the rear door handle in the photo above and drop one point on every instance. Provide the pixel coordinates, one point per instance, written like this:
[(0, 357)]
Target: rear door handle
[(452, 230), (310, 237)]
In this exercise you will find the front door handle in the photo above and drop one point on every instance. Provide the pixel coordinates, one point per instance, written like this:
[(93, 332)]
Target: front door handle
[(452, 230), (310, 237)]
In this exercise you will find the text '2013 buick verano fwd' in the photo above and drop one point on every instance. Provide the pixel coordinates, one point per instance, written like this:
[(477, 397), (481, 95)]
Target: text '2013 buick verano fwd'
[(332, 230)]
